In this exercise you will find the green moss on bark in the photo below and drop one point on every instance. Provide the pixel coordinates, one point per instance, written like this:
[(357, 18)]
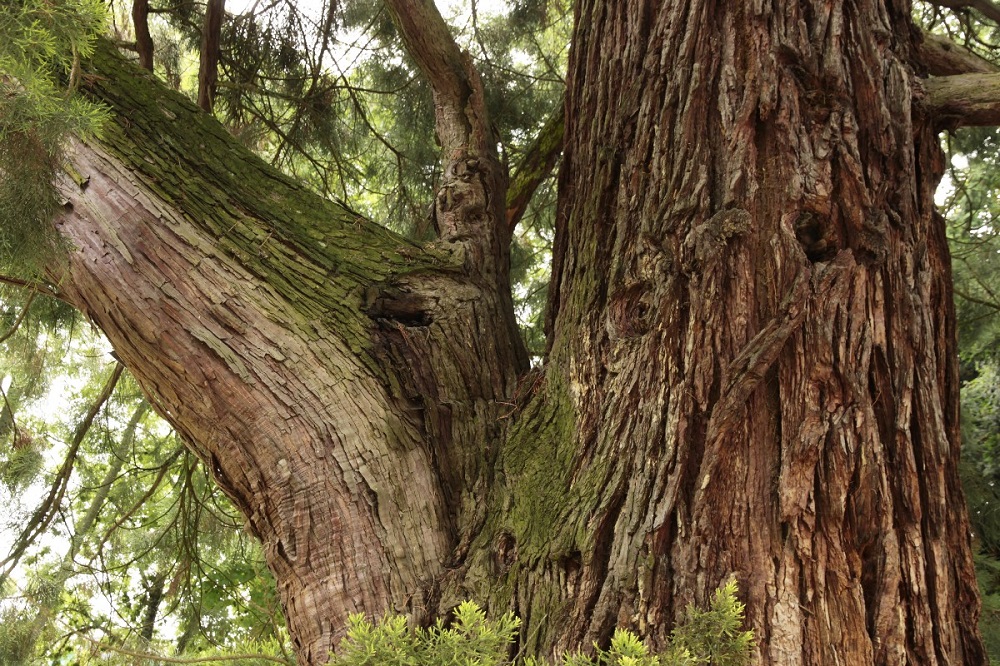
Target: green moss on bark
[(317, 254)]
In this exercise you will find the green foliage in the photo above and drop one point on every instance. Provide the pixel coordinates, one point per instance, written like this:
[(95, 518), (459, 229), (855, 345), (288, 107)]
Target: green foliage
[(706, 637), (42, 43), (471, 640), (968, 198), (16, 640), (715, 636), (988, 574), (980, 470), (146, 552)]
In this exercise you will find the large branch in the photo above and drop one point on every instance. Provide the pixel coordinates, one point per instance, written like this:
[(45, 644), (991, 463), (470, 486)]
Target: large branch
[(964, 100), (469, 209), (984, 7), (535, 167), (943, 57), (241, 302), (459, 110), (338, 380)]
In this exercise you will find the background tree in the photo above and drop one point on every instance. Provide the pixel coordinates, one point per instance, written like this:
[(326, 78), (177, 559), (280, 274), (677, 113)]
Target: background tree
[(749, 356)]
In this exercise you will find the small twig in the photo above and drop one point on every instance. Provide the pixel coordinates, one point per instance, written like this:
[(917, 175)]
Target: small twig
[(20, 318)]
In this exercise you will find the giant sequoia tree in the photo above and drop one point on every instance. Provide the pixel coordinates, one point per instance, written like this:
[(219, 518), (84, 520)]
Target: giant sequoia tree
[(750, 363)]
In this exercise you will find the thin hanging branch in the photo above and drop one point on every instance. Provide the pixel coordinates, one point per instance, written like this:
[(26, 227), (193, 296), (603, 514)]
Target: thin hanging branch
[(20, 318), (43, 515)]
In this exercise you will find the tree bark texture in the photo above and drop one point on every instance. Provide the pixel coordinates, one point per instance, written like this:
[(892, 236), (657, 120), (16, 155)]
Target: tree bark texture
[(143, 40), (753, 365), (341, 383)]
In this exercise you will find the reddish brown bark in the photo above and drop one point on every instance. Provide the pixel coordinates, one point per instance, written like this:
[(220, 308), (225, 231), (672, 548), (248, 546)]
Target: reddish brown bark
[(752, 348), (343, 385), (143, 40), (751, 317), (211, 45)]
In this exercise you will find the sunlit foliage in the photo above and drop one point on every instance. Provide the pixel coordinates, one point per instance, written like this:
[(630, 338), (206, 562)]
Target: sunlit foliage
[(41, 47)]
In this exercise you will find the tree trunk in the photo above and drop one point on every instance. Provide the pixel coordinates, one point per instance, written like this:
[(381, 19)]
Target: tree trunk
[(752, 363), (752, 349), (343, 384)]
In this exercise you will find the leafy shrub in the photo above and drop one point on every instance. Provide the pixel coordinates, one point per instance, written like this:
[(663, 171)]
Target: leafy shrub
[(706, 637)]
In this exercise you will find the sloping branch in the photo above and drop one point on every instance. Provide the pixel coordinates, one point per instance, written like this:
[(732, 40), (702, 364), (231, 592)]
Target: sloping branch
[(984, 7), (535, 167), (943, 57), (964, 100)]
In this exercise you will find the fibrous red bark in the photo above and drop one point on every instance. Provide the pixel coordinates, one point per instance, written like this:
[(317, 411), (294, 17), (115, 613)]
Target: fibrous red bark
[(751, 325), (752, 348)]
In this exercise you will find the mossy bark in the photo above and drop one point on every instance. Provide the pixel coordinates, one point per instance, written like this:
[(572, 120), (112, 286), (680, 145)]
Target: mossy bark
[(342, 383), (751, 363)]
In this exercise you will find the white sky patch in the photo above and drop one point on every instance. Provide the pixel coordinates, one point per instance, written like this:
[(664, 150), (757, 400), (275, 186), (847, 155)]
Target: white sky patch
[(946, 187)]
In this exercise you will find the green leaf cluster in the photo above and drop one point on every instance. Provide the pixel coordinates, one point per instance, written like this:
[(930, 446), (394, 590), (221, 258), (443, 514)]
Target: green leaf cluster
[(42, 43), (714, 636)]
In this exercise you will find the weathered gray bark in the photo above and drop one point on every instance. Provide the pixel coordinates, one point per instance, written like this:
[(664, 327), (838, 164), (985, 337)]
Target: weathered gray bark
[(752, 349)]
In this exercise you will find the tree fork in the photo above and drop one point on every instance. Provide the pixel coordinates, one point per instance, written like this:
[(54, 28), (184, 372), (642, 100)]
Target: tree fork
[(346, 387), (751, 365)]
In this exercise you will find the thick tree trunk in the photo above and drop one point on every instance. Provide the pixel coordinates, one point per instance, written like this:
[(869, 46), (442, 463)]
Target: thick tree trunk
[(342, 384), (753, 363), (752, 349)]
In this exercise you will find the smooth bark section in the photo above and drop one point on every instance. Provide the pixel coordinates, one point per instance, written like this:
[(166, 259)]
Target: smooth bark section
[(964, 100), (535, 167), (211, 46), (143, 40)]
